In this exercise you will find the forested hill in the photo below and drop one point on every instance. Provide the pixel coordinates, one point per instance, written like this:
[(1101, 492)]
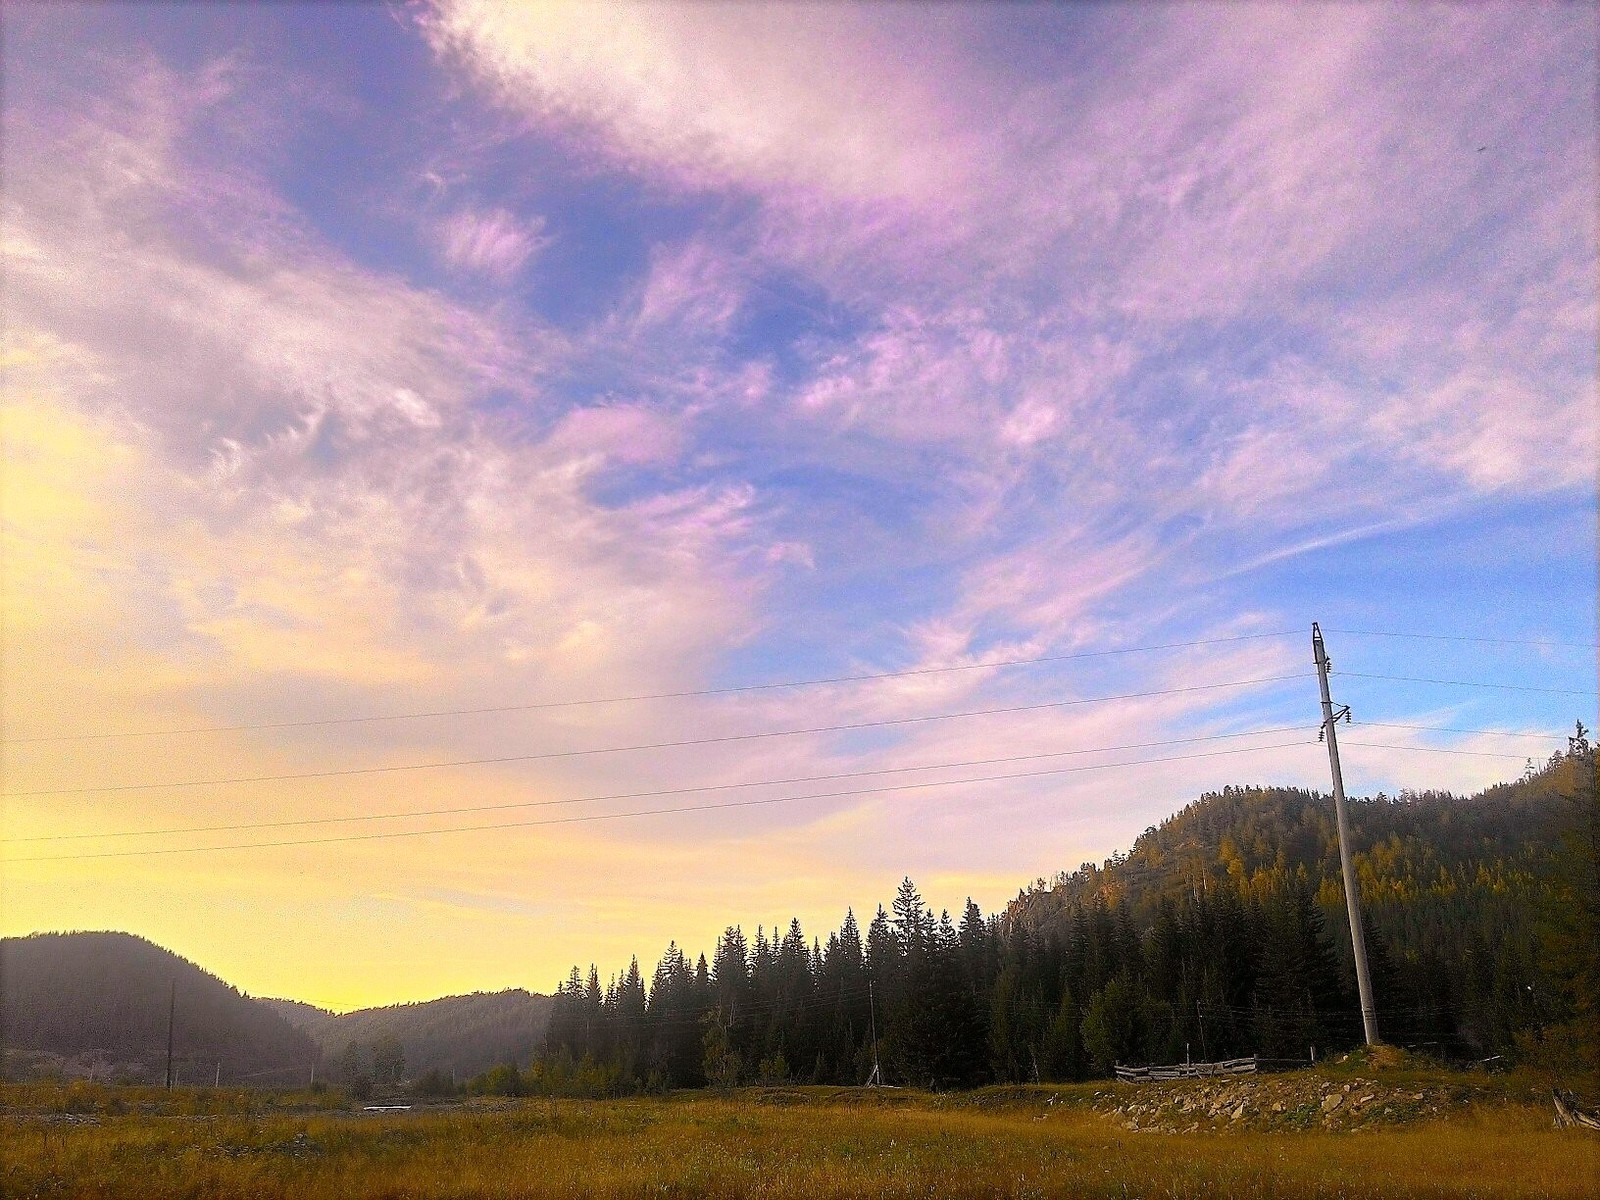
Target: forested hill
[(455, 1035), (1451, 886), (102, 999), (1220, 933)]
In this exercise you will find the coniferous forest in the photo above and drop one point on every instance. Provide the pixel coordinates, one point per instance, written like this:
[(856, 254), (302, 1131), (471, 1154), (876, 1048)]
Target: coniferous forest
[(1221, 933)]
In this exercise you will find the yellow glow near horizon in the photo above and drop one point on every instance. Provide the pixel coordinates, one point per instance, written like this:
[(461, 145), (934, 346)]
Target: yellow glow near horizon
[(642, 357), (341, 926)]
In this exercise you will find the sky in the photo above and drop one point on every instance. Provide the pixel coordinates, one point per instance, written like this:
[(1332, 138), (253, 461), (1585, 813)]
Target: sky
[(364, 361)]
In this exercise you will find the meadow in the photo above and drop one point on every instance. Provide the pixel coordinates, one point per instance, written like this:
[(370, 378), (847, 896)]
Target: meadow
[(92, 1141)]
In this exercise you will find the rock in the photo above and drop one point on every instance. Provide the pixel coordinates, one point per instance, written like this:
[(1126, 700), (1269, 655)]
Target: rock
[(1238, 1112), (1332, 1102)]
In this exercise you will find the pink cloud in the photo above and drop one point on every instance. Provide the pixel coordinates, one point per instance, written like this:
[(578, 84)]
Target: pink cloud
[(493, 243), (725, 95), (625, 433), (339, 514)]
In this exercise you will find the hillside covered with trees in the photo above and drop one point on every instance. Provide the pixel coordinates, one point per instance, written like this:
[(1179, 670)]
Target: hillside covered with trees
[(455, 1037), (1220, 933), (102, 1000)]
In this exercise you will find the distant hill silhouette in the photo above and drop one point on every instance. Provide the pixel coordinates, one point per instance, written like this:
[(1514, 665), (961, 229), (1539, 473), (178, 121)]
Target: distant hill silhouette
[(100, 999), (298, 1013), (459, 1035), (1453, 888)]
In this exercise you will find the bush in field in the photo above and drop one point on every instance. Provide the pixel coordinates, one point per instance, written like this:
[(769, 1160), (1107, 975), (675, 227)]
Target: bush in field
[(388, 1060), (774, 1068), (1109, 1031), (558, 1075), (434, 1083), (721, 1062), (504, 1080)]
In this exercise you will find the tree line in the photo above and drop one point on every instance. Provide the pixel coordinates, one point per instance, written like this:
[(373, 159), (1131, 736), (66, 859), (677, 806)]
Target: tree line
[(1218, 935), (937, 1002)]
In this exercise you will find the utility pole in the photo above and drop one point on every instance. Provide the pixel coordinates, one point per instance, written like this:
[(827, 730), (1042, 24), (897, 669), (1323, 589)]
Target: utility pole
[(172, 1008), (876, 1078), (1352, 897)]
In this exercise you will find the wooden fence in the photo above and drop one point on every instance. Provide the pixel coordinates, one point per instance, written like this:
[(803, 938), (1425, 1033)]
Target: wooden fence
[(1232, 1066)]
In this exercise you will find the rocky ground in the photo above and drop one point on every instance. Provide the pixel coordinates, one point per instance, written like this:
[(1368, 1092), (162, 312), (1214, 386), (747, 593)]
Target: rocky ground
[(1300, 1100)]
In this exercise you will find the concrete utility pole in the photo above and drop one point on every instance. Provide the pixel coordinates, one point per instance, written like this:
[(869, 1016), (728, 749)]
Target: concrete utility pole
[(172, 1008), (1352, 897), (876, 1078)]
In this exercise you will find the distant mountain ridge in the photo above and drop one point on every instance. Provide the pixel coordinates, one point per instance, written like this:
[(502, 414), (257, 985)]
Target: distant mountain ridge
[(457, 1035), (299, 1013), (1452, 887), (98, 1002)]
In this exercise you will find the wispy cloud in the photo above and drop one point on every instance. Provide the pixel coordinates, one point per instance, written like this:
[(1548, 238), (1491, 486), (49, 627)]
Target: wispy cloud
[(493, 243), (743, 343)]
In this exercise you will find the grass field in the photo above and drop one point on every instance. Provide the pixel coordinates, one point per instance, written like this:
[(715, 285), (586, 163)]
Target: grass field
[(104, 1142)]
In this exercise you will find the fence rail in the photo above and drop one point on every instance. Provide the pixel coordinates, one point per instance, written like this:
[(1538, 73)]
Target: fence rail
[(1231, 1066)]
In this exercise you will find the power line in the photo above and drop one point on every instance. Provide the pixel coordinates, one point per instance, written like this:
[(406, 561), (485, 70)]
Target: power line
[(1499, 687), (1457, 637), (587, 818), (683, 695), (1505, 733), (679, 791), (1436, 750), (706, 741), (749, 783)]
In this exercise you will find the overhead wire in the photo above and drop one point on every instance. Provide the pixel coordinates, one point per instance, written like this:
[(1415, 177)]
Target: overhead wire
[(678, 791), (728, 738), (679, 695), (452, 810), (1499, 687), (882, 723), (758, 687), (1462, 637), (1432, 749), (748, 803), (651, 812), (1505, 733)]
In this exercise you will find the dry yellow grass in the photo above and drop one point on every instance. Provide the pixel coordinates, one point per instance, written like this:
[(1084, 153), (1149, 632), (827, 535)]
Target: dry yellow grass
[(819, 1145)]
